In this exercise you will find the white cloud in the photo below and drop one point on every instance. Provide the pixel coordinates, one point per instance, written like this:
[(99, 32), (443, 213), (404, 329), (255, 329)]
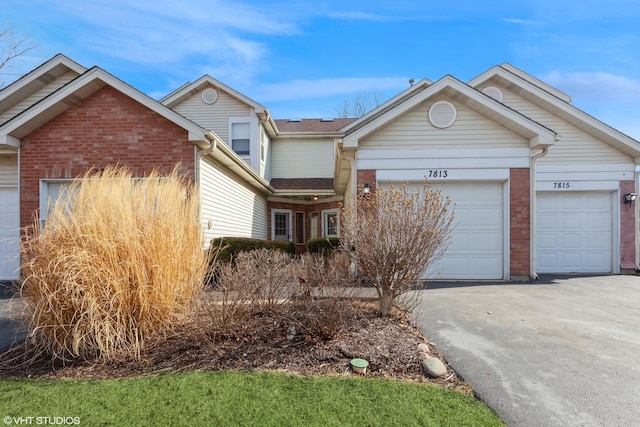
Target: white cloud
[(166, 31), (595, 87), (321, 88), (521, 21)]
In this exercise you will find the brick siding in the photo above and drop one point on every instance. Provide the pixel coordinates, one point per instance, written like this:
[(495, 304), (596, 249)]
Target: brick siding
[(627, 227), (106, 128), (520, 219)]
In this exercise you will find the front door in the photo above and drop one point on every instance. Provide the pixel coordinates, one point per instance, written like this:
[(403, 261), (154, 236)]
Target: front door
[(281, 225)]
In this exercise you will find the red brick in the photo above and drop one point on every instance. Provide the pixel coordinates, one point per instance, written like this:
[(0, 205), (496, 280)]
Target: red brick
[(106, 128), (520, 220)]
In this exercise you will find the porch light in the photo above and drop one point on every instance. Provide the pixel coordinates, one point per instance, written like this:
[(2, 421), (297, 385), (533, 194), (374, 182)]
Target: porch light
[(315, 198), (629, 198), (366, 189)]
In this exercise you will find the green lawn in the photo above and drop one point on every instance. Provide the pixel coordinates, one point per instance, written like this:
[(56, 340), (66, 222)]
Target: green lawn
[(242, 399)]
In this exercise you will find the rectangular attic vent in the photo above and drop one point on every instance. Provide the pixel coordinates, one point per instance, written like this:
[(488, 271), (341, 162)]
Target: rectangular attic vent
[(326, 120), (295, 120)]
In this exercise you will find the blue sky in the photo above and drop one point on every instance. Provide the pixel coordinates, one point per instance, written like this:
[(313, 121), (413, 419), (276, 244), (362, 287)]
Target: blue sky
[(305, 58)]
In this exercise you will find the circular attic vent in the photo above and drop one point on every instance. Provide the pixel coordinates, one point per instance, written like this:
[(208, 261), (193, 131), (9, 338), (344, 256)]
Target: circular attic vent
[(493, 92), (442, 114), (209, 96)]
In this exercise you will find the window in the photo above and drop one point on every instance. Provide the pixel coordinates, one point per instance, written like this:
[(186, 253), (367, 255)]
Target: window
[(330, 223), (50, 193), (241, 138), (300, 228)]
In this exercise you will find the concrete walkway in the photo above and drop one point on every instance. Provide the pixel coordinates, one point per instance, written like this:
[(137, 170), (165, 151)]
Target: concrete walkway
[(11, 329), (560, 352)]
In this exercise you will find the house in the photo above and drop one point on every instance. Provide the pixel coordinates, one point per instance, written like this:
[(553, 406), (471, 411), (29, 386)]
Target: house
[(538, 185)]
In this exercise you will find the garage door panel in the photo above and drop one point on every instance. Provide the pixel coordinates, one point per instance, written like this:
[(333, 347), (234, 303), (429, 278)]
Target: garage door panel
[(9, 234), (547, 241), (574, 233), (571, 221), (596, 221), (476, 248)]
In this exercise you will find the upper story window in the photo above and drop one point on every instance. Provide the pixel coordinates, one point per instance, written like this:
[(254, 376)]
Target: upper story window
[(241, 138)]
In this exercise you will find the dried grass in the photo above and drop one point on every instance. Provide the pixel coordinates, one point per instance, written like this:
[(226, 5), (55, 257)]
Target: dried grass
[(120, 259)]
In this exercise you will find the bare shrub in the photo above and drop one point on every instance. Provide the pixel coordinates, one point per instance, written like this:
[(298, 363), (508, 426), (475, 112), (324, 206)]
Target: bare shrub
[(257, 280), (324, 299), (266, 293), (393, 235), (118, 260)]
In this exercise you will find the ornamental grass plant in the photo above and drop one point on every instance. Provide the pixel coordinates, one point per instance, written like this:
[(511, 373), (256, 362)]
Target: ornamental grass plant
[(117, 260)]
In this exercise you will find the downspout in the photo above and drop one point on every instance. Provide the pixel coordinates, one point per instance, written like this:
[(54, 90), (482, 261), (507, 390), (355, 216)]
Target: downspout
[(200, 154), (352, 163), (532, 213)]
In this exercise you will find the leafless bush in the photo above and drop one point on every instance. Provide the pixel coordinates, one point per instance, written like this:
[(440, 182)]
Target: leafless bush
[(298, 298), (393, 235)]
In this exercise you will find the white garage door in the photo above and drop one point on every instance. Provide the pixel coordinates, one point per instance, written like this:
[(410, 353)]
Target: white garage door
[(9, 234), (574, 233), (476, 249)]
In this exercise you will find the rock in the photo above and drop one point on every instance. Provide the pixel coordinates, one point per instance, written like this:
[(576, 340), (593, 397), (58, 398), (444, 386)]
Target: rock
[(422, 355), (423, 348), (433, 367)]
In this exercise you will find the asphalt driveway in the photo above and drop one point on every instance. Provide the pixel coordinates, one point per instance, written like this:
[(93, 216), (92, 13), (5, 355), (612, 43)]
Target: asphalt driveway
[(561, 351)]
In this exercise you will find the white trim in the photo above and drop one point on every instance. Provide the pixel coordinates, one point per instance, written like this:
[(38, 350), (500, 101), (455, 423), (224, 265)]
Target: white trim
[(551, 186), (453, 175), (366, 153), (465, 163)]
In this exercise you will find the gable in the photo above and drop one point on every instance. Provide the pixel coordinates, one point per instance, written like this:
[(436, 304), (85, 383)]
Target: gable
[(557, 104), (105, 128), (43, 91), (574, 145), (470, 130), (214, 116)]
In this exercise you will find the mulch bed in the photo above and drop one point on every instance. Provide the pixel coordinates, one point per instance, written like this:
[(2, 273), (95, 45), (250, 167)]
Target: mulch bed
[(389, 344)]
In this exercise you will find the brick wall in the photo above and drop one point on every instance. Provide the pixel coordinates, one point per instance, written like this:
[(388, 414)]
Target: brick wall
[(520, 219), (627, 227), (307, 209), (367, 176), (107, 128)]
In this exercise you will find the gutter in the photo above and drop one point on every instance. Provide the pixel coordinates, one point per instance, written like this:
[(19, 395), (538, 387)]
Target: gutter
[(200, 154), (532, 212)]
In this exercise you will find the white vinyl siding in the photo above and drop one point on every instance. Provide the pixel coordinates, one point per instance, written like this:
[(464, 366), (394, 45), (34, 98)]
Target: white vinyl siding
[(214, 116), (229, 206), (9, 233), (8, 171), (574, 146), (37, 96), (574, 232), (470, 130), (303, 158)]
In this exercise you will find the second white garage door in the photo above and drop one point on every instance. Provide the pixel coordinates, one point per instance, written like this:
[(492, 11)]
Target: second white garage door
[(574, 233), (9, 234), (476, 250)]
